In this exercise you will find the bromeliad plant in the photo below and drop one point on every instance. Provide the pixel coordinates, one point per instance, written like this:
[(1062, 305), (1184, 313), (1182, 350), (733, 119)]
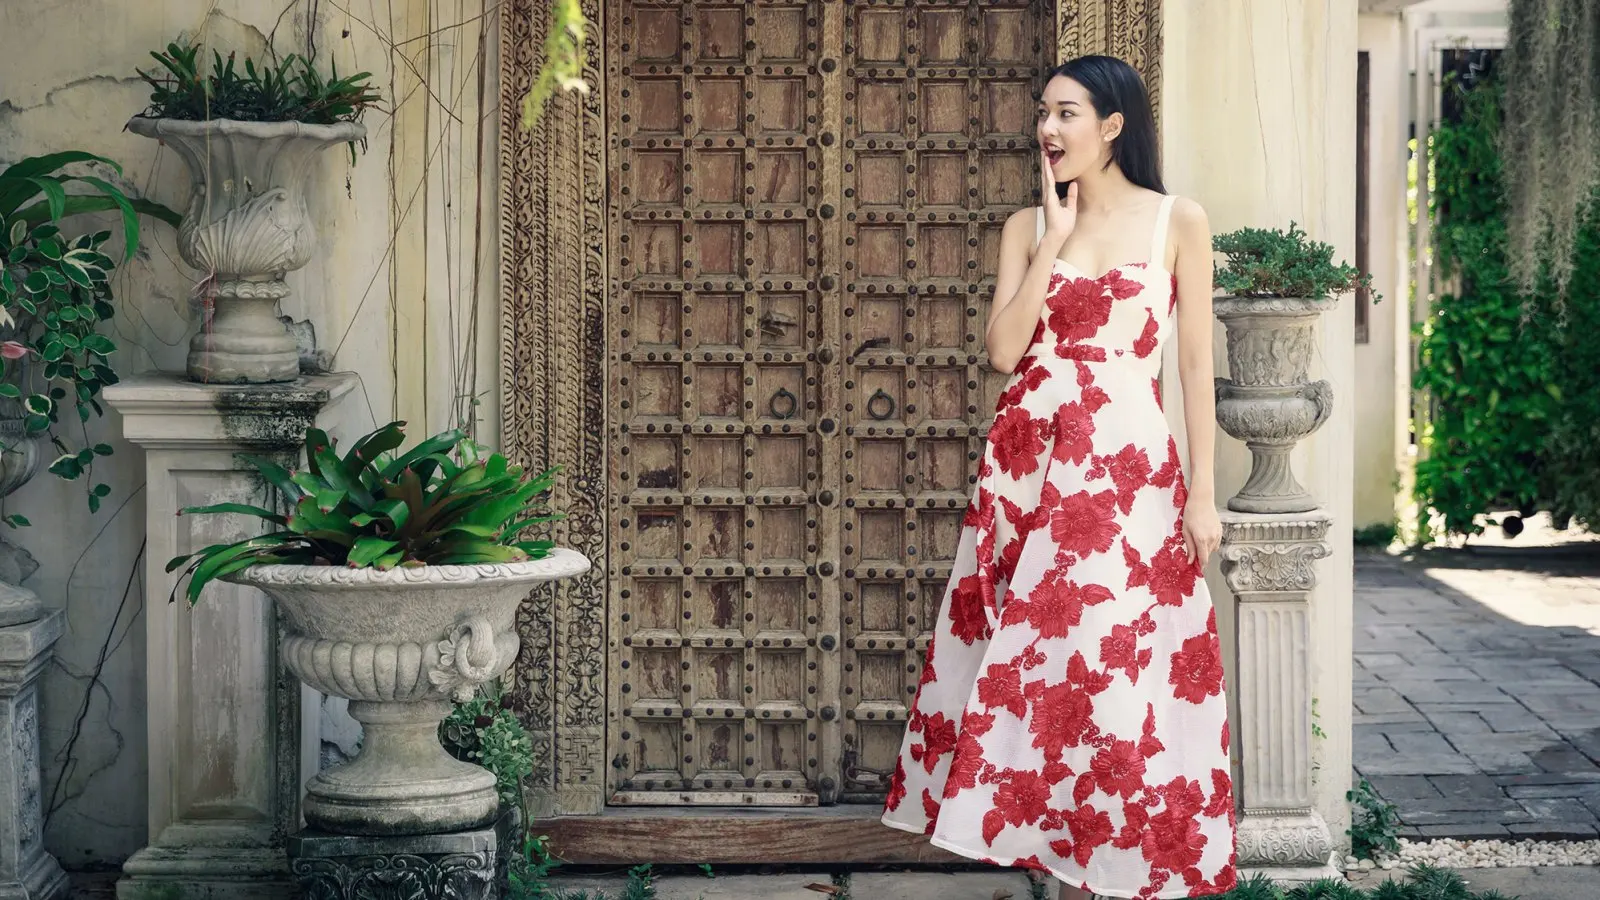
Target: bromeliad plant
[(55, 290), (446, 501), (1271, 262)]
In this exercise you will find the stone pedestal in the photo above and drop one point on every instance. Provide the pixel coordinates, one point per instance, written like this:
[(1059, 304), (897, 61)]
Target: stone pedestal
[(463, 865), (1268, 563), (225, 716), (26, 871)]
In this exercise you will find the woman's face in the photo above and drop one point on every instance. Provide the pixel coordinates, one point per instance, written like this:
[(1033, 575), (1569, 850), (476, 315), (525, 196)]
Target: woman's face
[(1073, 136)]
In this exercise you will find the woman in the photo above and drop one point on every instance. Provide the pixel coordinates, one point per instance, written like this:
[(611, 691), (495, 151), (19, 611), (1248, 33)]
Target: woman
[(1071, 716)]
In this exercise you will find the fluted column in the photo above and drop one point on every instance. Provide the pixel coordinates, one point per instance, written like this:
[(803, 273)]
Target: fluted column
[(1268, 563)]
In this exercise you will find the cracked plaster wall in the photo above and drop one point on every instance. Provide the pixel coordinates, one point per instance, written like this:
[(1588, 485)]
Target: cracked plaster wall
[(387, 298)]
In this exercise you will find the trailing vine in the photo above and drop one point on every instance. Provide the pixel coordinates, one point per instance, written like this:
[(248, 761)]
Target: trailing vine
[(1511, 373)]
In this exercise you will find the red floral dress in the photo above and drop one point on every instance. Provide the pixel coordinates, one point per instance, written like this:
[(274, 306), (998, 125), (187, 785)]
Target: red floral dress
[(1071, 715)]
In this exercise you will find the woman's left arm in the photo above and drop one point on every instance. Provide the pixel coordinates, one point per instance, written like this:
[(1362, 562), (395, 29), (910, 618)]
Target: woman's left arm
[(1202, 528)]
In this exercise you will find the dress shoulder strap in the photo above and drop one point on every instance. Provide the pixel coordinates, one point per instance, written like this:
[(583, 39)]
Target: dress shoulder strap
[(1158, 240), (1038, 230)]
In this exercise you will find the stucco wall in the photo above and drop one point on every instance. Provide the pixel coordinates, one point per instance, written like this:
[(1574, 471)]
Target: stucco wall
[(390, 296)]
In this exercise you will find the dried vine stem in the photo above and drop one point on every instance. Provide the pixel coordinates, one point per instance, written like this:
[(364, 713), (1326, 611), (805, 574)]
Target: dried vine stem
[(1551, 135)]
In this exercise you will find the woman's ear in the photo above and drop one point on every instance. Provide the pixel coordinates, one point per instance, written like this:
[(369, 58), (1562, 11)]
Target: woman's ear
[(1111, 127)]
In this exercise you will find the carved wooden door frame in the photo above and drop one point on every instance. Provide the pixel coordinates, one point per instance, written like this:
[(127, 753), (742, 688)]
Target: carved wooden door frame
[(554, 286)]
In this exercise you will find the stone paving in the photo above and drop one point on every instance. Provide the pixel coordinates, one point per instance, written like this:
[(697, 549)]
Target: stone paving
[(1477, 688)]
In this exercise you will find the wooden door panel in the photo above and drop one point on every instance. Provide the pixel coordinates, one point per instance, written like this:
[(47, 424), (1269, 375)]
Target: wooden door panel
[(715, 602), (938, 153), (806, 200)]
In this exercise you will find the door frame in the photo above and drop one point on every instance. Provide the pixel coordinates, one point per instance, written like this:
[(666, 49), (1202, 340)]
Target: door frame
[(555, 278)]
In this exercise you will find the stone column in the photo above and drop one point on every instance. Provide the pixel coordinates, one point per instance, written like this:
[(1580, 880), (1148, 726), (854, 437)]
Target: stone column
[(225, 717), (1267, 561), (26, 871)]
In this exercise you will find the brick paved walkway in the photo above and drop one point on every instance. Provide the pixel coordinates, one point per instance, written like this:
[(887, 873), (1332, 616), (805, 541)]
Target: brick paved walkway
[(1477, 688)]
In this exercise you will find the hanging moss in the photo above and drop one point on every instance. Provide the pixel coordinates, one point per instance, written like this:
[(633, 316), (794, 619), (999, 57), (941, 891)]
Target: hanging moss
[(1552, 133)]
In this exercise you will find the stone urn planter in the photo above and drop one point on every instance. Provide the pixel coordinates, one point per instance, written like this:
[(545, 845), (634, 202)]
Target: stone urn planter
[(19, 462), (1267, 401), (399, 645), (246, 226)]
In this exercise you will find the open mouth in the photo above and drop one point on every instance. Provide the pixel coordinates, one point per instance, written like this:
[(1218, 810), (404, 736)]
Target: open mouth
[(1054, 154)]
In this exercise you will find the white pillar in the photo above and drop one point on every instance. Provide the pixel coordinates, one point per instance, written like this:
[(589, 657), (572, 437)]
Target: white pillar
[(225, 718), (26, 871), (1268, 563), (1258, 125)]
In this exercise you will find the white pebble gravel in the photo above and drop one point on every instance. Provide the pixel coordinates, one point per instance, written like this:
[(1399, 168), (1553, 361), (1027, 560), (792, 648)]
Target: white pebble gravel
[(1459, 854)]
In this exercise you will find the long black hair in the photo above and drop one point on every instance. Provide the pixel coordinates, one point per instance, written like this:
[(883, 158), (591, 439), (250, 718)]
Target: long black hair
[(1115, 87)]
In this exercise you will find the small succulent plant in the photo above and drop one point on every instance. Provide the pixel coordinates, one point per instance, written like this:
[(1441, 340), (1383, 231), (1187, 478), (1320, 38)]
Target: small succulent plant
[(446, 501)]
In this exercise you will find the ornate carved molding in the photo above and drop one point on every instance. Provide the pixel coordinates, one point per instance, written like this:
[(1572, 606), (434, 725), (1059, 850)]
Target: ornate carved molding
[(1264, 567), (1283, 840), (460, 876), (1127, 29), (553, 290)]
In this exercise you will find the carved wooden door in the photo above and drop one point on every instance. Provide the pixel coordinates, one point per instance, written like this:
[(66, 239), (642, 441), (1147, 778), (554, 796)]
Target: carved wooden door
[(806, 202)]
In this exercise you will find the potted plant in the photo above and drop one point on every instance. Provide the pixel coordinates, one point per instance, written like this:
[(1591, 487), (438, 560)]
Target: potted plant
[(397, 577), (1274, 285), (248, 136), (55, 290)]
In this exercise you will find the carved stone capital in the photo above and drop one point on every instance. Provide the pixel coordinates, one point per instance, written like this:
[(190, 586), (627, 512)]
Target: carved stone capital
[(1267, 554), (26, 870)]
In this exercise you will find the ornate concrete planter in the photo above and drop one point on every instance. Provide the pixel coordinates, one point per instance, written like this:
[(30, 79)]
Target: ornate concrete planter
[(19, 461), (399, 644), (1267, 401), (246, 227)]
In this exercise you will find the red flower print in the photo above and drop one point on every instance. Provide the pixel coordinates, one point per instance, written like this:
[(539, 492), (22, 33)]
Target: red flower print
[(1138, 572), (1174, 840), (1221, 802), (1006, 565), (930, 806), (1085, 523), (1170, 469), (1134, 820), (1079, 673), (1002, 687), (1225, 737), (1056, 604), (966, 765), (1082, 353), (1149, 744), (897, 785), (1197, 669), (1031, 658), (1078, 309), (1024, 522), (928, 673), (1074, 427), (1147, 339), (1120, 650), (1062, 717), (968, 620), (1031, 862), (938, 738), (1155, 388), (1027, 378), (980, 513), (1022, 798), (1130, 471), (1120, 286), (1172, 575), (1017, 440), (1090, 828), (1118, 770)]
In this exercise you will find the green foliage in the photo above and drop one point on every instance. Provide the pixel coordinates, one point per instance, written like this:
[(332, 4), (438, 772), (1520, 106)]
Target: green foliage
[(1380, 535), (443, 502), (1513, 378), (563, 59), (485, 731), (55, 290), (1373, 823), (286, 90), (1425, 882), (1271, 262)]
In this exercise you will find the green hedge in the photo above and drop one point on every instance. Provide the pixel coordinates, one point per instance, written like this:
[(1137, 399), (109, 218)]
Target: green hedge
[(1514, 380)]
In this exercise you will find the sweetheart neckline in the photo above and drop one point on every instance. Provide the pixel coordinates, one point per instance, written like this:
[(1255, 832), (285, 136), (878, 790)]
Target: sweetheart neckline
[(1102, 275)]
